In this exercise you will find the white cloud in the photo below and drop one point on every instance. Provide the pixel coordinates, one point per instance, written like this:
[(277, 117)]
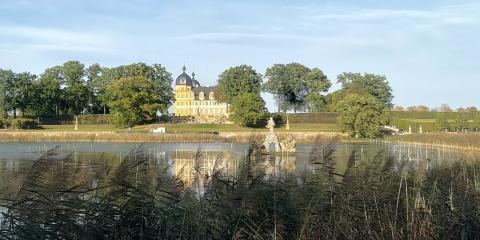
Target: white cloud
[(49, 39), (454, 14)]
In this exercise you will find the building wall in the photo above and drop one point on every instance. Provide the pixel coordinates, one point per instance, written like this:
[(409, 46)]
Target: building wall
[(186, 105)]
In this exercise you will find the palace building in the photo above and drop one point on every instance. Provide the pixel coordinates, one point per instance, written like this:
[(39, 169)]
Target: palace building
[(194, 100)]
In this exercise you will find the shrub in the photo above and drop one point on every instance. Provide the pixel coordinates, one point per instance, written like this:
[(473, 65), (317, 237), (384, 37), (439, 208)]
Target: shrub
[(20, 123), (5, 123)]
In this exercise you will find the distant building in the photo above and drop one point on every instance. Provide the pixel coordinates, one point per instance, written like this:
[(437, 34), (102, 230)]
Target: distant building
[(194, 100)]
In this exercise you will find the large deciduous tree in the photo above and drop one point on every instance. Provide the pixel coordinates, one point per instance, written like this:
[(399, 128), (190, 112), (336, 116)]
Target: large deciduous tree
[(238, 80), (155, 74), (134, 100), (76, 93), (375, 85), (7, 78), (49, 90), (249, 109), (442, 123), (363, 115), (297, 86)]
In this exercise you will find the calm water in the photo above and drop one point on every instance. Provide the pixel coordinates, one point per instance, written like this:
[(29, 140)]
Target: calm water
[(16, 159), (94, 164)]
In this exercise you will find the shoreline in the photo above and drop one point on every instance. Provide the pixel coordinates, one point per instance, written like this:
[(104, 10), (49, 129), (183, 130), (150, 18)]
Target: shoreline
[(135, 137), (221, 137)]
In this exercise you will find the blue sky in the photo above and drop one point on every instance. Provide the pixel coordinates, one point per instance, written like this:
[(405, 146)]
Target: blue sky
[(429, 50)]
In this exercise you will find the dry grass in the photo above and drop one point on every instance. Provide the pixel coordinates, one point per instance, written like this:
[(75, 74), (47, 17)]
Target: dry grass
[(467, 141)]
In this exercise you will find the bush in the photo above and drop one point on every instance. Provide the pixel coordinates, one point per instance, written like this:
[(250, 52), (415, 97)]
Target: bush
[(5, 123), (84, 119), (20, 123)]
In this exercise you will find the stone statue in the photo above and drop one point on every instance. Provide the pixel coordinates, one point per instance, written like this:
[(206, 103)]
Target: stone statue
[(287, 145), (271, 125), (287, 127)]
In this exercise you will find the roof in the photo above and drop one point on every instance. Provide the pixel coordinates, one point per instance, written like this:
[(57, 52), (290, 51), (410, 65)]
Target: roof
[(184, 79), (205, 90)]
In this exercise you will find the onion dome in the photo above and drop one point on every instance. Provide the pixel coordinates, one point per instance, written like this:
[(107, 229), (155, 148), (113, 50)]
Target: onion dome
[(195, 83), (184, 79)]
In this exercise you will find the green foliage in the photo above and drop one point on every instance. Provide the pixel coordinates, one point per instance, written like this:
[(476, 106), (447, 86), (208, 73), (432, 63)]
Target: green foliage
[(476, 123), (249, 110), (238, 80), (134, 100), (296, 86), (20, 123), (5, 123), (461, 122), (363, 115), (76, 93), (6, 84), (375, 85), (442, 123)]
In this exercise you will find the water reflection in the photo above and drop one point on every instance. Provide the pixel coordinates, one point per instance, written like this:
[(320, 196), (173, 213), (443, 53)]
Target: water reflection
[(188, 161)]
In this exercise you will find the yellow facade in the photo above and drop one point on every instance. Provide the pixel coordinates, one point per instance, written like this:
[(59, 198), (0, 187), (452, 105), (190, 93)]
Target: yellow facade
[(193, 100)]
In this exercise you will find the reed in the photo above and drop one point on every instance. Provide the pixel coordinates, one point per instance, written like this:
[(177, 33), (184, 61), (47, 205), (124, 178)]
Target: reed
[(377, 198)]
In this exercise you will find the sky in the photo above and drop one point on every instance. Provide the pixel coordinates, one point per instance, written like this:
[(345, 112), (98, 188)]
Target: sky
[(429, 50)]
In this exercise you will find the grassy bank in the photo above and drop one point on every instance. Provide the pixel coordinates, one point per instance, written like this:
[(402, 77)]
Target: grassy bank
[(112, 136), (467, 141)]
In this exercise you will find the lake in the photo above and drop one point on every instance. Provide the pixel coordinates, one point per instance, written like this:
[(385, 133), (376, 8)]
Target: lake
[(196, 167)]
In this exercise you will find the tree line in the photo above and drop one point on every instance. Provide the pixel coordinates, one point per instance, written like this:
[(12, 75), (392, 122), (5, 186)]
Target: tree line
[(364, 100), (73, 89), (135, 93)]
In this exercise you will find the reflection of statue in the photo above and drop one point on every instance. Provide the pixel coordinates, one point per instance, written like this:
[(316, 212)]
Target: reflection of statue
[(288, 144), (271, 125)]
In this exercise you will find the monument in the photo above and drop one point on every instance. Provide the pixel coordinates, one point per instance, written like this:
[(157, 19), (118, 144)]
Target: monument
[(288, 145)]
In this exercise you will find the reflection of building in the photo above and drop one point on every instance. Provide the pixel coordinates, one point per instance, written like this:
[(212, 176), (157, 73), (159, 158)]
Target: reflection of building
[(188, 165), (192, 99)]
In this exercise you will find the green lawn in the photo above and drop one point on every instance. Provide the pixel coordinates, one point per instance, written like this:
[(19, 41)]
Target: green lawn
[(196, 128), (192, 128)]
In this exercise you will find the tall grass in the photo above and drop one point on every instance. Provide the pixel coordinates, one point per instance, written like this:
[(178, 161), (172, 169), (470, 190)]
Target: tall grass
[(378, 198)]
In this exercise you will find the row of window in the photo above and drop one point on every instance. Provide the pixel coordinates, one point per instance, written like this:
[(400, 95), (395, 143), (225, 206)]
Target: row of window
[(199, 103), (189, 95), (202, 111)]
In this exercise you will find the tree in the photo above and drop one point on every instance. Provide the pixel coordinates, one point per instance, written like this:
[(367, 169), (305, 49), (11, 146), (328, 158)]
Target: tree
[(422, 108), (442, 123), (238, 80), (295, 86), (317, 84), (7, 78), (476, 123), (333, 100), (461, 122), (471, 109), (248, 109), (375, 85), (49, 90), (363, 115), (134, 100), (445, 108), (76, 93), (156, 74), (95, 87), (398, 109)]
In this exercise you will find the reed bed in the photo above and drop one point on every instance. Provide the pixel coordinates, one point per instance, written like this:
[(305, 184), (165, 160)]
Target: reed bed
[(465, 141), (377, 198)]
